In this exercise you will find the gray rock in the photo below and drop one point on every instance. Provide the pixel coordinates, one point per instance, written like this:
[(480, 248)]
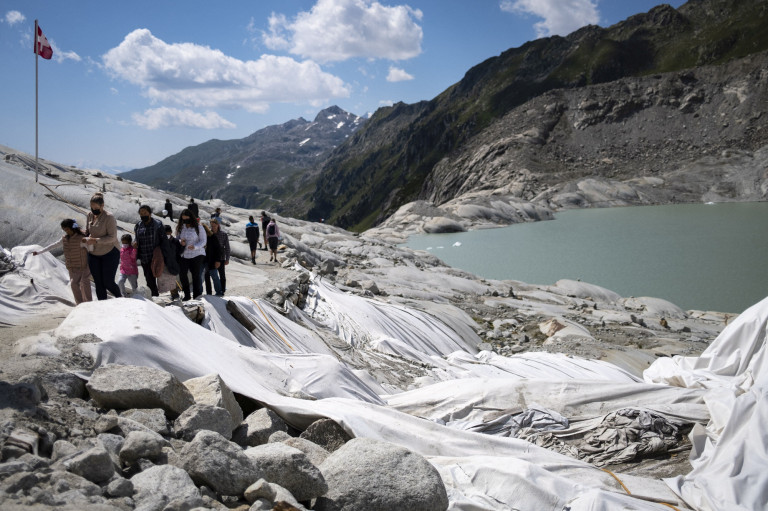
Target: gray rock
[(379, 476), (142, 444), (20, 481), (211, 390), (316, 454), (63, 482), (261, 489), (64, 384), (290, 468), (203, 417), (327, 434), (214, 461), (25, 463), (22, 396), (153, 418), (126, 387), (261, 505), (278, 436), (172, 483), (113, 444), (369, 285), (257, 428), (95, 464), (120, 487), (284, 496)]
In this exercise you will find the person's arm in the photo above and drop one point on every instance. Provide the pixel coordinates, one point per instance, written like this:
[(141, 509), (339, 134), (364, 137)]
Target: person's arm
[(49, 247)]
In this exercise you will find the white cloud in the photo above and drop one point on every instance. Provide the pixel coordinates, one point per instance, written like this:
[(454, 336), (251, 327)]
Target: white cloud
[(13, 17), (335, 30), (386, 102), (398, 75), (561, 17), (164, 117), (61, 56), (191, 75)]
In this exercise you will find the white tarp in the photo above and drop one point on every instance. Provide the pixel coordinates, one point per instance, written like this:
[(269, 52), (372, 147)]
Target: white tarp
[(731, 455)]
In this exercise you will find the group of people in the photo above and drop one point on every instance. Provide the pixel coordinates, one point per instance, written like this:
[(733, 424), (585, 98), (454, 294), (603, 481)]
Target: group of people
[(271, 236), (164, 253)]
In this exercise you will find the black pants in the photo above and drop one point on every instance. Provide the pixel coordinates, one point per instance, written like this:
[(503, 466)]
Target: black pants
[(150, 278), (223, 277), (194, 265), (103, 269)]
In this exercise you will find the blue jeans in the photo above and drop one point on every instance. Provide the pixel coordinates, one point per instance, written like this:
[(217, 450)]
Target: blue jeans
[(103, 269), (213, 275)]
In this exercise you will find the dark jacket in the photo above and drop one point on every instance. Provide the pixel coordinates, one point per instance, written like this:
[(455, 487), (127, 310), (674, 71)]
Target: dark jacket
[(192, 207), (148, 237), (213, 251), (172, 255), (252, 233)]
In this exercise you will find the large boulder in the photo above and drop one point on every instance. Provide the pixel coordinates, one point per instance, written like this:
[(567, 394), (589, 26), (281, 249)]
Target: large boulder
[(211, 390), (152, 418), (379, 476), (257, 428), (327, 434), (164, 484), (125, 387), (315, 454), (142, 444), (203, 417), (94, 464), (290, 468), (212, 460)]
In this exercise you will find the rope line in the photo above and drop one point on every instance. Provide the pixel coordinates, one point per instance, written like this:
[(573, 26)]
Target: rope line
[(629, 492), (270, 324)]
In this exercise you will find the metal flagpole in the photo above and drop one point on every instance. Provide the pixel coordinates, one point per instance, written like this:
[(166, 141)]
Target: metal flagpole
[(37, 48)]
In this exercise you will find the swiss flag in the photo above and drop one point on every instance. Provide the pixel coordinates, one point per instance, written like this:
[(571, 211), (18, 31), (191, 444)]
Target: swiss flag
[(42, 46)]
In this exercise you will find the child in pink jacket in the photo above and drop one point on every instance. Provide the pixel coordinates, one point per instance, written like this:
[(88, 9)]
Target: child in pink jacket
[(129, 270)]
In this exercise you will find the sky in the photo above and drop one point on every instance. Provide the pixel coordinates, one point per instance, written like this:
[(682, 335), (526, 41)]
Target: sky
[(131, 83)]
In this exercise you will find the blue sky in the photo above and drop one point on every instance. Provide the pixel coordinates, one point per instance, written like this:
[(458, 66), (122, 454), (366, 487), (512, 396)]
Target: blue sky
[(131, 83)]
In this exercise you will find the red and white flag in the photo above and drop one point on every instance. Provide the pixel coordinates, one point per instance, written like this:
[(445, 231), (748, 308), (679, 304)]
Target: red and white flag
[(42, 46)]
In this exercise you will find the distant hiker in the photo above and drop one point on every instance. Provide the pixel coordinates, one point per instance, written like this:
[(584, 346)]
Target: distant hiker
[(252, 234), (192, 207), (103, 248), (168, 209), (213, 257), (75, 259), (172, 256), (264, 222), (223, 238), (217, 216), (150, 235), (192, 239), (273, 237), (129, 270)]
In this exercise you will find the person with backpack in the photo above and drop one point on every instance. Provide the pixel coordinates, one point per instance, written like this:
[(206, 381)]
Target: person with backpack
[(252, 235), (273, 238), (192, 239), (75, 259), (264, 222)]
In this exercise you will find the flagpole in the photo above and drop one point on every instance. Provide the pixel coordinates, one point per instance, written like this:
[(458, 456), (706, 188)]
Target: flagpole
[(36, 57)]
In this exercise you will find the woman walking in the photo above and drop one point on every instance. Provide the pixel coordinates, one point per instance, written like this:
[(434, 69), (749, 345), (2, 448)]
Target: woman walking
[(213, 257), (273, 237), (192, 239), (75, 259), (103, 248)]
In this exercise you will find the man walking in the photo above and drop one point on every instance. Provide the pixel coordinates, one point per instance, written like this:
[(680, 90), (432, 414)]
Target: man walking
[(149, 235), (252, 235), (224, 244)]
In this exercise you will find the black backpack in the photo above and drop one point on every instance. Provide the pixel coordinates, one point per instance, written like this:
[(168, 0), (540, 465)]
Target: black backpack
[(271, 230)]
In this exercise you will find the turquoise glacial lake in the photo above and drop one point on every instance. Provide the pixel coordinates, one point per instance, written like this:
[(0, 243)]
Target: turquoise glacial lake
[(698, 256)]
